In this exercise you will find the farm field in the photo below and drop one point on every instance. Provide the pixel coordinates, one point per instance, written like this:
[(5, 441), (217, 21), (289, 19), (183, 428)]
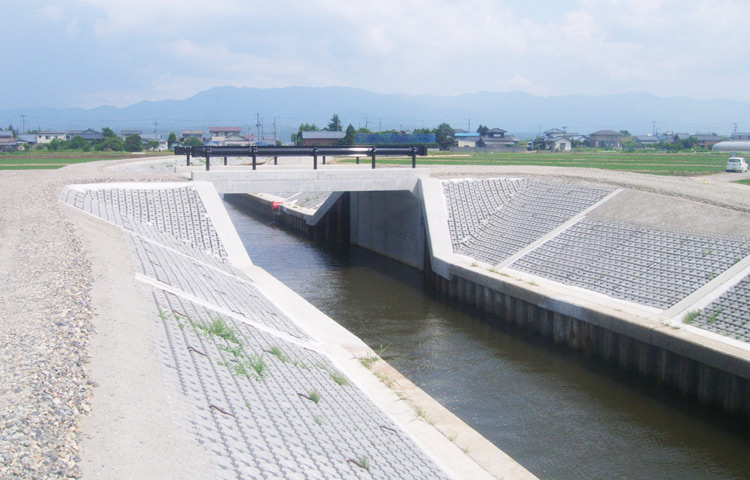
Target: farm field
[(653, 163), (36, 160)]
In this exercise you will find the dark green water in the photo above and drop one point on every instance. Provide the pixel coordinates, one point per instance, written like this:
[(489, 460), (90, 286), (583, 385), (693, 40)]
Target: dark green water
[(558, 413)]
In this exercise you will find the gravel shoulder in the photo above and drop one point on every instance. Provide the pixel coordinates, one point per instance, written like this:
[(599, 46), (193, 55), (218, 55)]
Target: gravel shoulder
[(55, 299)]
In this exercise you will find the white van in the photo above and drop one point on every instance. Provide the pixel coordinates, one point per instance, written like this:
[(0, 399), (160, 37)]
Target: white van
[(736, 164)]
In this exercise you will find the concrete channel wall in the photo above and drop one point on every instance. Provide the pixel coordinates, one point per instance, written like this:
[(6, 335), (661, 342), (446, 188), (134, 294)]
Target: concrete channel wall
[(389, 223)]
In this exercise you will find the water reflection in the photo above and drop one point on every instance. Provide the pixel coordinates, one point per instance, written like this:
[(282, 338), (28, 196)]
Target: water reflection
[(558, 413)]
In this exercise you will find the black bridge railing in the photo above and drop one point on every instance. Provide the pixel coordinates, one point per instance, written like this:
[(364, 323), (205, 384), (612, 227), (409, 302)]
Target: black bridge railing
[(255, 151)]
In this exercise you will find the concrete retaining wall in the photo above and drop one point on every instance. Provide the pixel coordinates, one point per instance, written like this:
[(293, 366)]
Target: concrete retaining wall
[(670, 357), (389, 223)]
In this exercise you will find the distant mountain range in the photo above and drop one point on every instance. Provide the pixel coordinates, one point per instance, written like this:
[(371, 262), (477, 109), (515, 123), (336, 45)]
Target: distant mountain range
[(521, 114)]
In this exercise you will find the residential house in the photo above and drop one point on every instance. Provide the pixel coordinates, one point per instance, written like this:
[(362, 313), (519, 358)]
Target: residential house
[(188, 134), (606, 138), (47, 137), (235, 140), (646, 141), (707, 140), (218, 135), (27, 138), (89, 134), (466, 139), (554, 132), (497, 140), (154, 137), (740, 136), (559, 140), (322, 137), (126, 133), (8, 142), (560, 144)]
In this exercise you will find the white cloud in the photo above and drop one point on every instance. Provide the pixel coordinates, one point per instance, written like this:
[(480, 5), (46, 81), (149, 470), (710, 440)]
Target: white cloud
[(667, 47)]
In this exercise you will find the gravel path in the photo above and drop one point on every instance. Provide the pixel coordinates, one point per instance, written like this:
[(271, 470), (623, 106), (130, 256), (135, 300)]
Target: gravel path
[(45, 323)]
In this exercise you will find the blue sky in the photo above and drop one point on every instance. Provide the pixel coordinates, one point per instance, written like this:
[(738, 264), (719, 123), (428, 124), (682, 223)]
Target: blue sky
[(87, 53)]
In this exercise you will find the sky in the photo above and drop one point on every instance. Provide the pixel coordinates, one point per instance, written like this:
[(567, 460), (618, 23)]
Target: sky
[(88, 53)]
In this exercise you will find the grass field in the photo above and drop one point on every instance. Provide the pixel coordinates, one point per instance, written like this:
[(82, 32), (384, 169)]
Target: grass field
[(36, 160), (653, 163)]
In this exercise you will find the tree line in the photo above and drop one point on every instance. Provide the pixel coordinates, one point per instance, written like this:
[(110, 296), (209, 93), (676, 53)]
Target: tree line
[(444, 134)]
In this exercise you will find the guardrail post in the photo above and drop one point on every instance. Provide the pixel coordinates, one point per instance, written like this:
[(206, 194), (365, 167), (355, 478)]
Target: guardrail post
[(324, 159), (254, 153), (315, 158), (413, 152), (188, 158), (276, 160), (208, 158), (225, 161), (372, 152), (357, 160)]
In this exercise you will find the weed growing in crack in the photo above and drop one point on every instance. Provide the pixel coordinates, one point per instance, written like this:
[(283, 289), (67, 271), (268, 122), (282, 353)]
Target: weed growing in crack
[(278, 353), (339, 378), (691, 317), (368, 361), (315, 396)]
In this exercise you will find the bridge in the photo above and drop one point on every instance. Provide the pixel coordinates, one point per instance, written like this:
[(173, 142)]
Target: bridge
[(254, 151), (346, 179)]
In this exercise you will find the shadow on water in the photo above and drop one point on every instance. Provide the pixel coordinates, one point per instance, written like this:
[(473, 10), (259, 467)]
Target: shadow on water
[(559, 413)]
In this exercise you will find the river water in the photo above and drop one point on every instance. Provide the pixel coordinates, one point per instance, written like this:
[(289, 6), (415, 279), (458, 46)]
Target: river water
[(560, 414)]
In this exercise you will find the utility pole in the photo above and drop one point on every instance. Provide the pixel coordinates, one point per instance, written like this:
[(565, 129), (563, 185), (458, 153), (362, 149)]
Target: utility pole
[(469, 124), (274, 131), (155, 129), (23, 123), (257, 126), (380, 125)]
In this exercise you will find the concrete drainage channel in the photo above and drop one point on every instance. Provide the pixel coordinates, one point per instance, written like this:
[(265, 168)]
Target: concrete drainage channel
[(648, 339)]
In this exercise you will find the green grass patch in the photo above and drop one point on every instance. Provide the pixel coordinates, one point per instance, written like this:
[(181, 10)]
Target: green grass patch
[(653, 163), (220, 328), (743, 182), (43, 159), (339, 378)]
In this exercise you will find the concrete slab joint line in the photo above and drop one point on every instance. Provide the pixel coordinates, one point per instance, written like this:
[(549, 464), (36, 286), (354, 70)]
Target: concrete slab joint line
[(226, 413)]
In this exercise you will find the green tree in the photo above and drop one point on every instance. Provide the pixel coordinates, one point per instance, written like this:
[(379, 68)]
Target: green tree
[(133, 143), (171, 140), (303, 127), (335, 124), (350, 135), (108, 133), (152, 145), (114, 144), (483, 130), (57, 144), (445, 136), (78, 143), (193, 142)]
